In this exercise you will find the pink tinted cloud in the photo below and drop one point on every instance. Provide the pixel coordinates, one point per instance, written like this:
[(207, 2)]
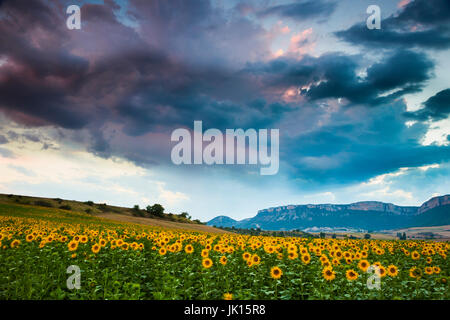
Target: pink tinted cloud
[(302, 43), (403, 3)]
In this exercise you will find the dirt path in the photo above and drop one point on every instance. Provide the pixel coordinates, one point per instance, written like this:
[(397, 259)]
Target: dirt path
[(160, 223)]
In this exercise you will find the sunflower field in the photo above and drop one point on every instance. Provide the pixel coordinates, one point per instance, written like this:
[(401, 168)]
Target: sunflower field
[(130, 261)]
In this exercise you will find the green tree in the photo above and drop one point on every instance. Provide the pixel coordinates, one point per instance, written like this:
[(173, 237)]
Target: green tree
[(156, 210)]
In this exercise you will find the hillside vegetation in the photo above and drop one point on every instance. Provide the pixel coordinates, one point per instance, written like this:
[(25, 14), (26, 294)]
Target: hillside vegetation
[(59, 209)]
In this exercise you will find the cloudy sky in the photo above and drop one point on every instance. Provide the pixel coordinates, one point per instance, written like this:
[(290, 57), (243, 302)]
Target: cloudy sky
[(363, 114)]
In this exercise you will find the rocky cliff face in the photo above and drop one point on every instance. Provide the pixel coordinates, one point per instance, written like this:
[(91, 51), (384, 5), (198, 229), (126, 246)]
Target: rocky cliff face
[(433, 203), (358, 206), (368, 215)]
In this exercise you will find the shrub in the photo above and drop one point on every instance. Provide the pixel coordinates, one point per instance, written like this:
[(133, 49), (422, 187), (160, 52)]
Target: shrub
[(43, 203), (66, 207), (156, 210), (137, 212), (103, 207)]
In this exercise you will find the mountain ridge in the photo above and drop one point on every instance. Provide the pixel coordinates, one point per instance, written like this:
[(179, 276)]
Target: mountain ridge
[(369, 215)]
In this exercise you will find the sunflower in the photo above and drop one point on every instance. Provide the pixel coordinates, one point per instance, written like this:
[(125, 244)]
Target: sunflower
[(335, 262), (292, 255), (15, 243), (205, 253), (223, 260), (276, 273), (189, 249), (328, 274), (436, 270), (83, 239), (306, 258), (29, 238), (96, 248), (207, 263), (73, 245), (428, 270), (246, 256), (74, 255), (162, 251), (414, 272), (392, 270), (415, 255), (429, 260), (255, 259), (382, 271), (363, 265), (227, 296), (351, 275)]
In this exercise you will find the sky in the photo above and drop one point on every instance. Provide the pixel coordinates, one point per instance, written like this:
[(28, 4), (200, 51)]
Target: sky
[(362, 114)]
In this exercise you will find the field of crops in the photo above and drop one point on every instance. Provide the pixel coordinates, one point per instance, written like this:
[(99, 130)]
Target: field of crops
[(128, 261)]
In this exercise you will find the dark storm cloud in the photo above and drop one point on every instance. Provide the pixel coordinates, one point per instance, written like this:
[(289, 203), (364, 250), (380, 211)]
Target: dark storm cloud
[(347, 152), (199, 33), (435, 108), (335, 75), (39, 71), (128, 88), (302, 9), (422, 23)]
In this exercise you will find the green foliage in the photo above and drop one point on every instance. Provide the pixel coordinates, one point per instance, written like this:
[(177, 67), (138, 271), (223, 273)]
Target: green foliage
[(155, 210), (43, 203)]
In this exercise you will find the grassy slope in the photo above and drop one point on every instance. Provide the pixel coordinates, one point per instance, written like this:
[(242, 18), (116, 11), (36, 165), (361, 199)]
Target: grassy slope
[(25, 208), (78, 206)]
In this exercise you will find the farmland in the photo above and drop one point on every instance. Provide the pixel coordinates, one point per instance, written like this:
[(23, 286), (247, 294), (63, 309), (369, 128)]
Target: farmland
[(123, 260)]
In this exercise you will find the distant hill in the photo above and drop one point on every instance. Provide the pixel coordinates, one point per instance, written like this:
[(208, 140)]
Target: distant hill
[(366, 215), (222, 221)]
